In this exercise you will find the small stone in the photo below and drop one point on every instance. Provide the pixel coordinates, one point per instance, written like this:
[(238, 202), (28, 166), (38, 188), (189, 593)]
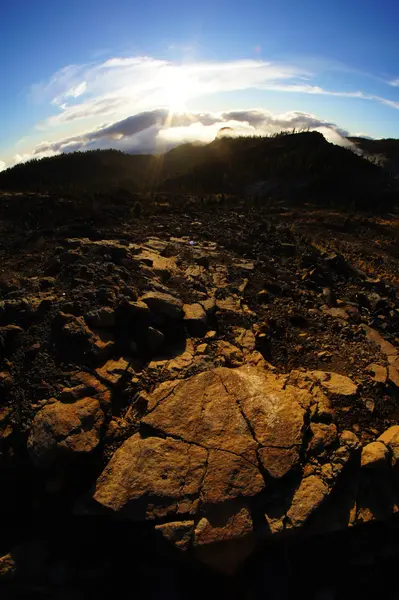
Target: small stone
[(308, 497), (377, 372), (7, 567), (246, 339), (202, 348), (209, 306), (237, 524), (6, 381), (324, 436), (178, 533), (232, 354), (223, 538), (114, 371), (390, 438), (350, 440), (210, 335), (263, 297), (375, 455), (335, 383)]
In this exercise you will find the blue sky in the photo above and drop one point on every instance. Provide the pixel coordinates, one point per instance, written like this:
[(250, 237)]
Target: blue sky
[(142, 75)]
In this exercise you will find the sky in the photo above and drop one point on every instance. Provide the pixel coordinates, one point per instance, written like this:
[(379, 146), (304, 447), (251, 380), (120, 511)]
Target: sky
[(144, 76)]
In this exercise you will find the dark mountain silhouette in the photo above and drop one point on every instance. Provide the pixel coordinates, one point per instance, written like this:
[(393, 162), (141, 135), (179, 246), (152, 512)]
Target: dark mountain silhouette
[(384, 152), (302, 165)]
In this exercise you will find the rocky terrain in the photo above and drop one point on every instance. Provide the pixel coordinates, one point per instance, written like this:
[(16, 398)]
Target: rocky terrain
[(197, 396)]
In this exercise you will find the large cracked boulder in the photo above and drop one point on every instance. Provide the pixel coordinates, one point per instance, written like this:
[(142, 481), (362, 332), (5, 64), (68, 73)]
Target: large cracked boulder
[(212, 445)]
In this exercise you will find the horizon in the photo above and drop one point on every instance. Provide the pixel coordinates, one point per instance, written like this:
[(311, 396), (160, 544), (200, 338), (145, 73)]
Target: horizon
[(143, 79)]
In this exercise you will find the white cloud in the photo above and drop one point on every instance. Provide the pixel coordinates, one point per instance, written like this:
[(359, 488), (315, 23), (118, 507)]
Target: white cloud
[(122, 86), (2, 165), (394, 82), (77, 90), (158, 130), (125, 85)]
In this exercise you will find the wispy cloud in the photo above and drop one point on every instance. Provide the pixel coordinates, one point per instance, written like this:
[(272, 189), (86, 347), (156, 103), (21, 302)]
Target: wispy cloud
[(121, 86), (130, 84)]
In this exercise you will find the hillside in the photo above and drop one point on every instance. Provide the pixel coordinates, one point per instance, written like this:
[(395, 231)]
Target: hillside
[(91, 171), (302, 165), (384, 152)]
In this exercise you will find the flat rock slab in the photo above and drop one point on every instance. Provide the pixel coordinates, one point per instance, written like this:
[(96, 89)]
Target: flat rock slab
[(241, 411)]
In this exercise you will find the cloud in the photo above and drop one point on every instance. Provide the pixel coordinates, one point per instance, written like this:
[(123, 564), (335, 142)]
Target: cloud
[(393, 82), (126, 85), (2, 165), (158, 130)]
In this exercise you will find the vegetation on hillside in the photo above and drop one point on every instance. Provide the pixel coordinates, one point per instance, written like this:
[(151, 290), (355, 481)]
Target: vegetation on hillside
[(303, 165)]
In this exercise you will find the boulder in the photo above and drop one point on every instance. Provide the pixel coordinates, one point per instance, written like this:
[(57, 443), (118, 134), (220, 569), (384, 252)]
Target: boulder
[(335, 383), (62, 432), (164, 305), (195, 319), (390, 438), (207, 451), (76, 342), (375, 455), (103, 317)]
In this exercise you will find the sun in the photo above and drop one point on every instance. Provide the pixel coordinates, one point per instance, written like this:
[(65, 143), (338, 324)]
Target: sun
[(176, 93)]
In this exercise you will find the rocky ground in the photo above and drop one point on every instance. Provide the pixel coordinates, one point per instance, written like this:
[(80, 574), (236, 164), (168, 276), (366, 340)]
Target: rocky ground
[(202, 395)]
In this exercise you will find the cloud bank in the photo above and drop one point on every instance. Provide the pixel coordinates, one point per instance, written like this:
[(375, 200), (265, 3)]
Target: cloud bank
[(158, 129)]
